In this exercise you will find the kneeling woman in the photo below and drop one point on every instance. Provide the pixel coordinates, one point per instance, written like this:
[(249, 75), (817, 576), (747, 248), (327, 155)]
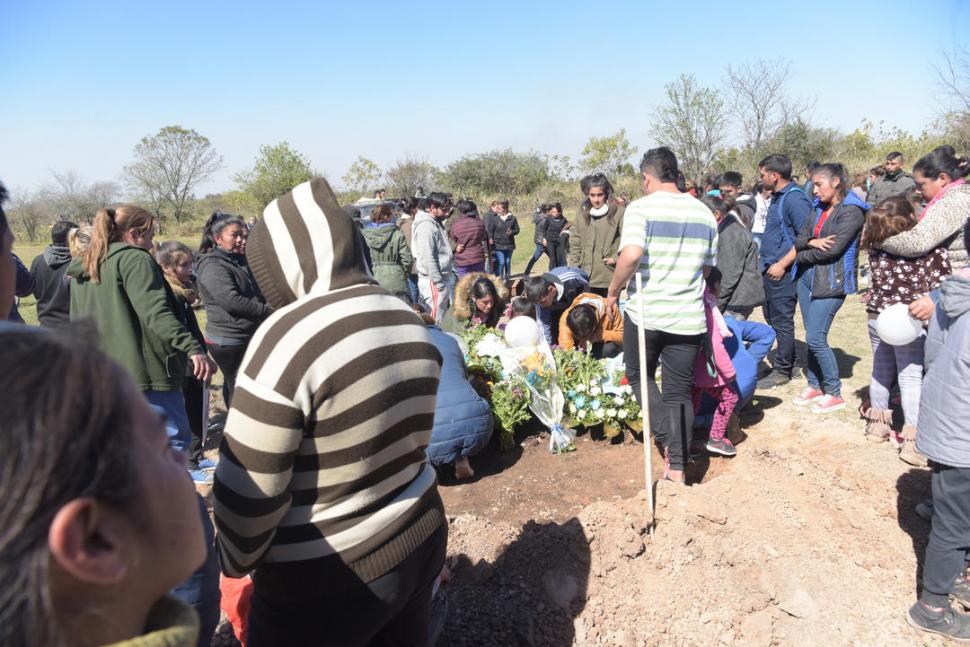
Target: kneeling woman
[(100, 518), (462, 419), (828, 247), (480, 298)]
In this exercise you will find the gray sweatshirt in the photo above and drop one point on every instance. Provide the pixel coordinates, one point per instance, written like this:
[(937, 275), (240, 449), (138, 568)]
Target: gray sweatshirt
[(432, 254)]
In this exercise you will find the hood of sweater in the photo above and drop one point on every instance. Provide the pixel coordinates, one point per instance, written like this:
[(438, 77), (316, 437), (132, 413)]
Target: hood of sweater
[(897, 175), (57, 256), (854, 200), (955, 294), (76, 267), (378, 235), (461, 305), (305, 244)]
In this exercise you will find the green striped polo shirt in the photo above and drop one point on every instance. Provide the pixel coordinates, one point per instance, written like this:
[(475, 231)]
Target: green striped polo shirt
[(678, 236)]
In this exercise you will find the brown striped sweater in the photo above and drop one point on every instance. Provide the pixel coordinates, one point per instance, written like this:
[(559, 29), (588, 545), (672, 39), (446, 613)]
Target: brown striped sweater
[(323, 479)]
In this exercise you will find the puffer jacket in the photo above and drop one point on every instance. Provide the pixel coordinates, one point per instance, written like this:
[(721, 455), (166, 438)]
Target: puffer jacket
[(590, 243), (390, 257), (944, 407), (463, 420), (834, 272)]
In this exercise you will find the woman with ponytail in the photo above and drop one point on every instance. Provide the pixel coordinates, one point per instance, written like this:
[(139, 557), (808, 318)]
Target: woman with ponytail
[(940, 179), (119, 285), (234, 306)]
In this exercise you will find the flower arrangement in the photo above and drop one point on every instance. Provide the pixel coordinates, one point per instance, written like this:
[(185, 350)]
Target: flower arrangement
[(510, 406), (574, 367), (606, 399)]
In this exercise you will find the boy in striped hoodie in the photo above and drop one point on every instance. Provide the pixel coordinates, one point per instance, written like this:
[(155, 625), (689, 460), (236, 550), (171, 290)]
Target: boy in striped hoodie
[(324, 491)]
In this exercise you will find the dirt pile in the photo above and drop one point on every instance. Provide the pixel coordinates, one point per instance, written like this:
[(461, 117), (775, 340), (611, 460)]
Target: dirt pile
[(736, 560)]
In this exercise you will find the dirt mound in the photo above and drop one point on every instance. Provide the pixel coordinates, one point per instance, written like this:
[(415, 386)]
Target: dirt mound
[(736, 560)]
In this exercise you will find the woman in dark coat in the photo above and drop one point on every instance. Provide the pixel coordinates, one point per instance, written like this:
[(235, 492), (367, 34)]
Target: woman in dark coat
[(234, 306)]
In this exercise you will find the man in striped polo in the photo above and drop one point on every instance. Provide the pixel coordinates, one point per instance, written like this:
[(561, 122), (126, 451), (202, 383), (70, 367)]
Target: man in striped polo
[(324, 491), (671, 239)]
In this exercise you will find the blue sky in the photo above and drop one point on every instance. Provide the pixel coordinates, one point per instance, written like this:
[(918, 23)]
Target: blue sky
[(84, 81)]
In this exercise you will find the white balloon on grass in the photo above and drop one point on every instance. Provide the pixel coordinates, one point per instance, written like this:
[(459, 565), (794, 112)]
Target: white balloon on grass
[(896, 326), (522, 332)]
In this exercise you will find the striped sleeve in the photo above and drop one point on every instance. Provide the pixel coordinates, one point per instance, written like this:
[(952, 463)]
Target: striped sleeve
[(264, 431), (634, 230)]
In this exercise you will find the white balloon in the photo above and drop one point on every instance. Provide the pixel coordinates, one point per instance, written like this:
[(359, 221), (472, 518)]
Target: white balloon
[(896, 326), (522, 332)]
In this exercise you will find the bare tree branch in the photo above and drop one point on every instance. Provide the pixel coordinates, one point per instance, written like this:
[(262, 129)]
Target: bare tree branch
[(756, 96), (692, 124)]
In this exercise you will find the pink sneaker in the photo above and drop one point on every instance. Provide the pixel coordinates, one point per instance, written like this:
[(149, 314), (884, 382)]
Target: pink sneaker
[(807, 396), (828, 404)]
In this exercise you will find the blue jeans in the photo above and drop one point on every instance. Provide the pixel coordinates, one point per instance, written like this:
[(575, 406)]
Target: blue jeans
[(818, 315), (503, 263), (413, 288), (536, 255), (201, 590), (177, 419)]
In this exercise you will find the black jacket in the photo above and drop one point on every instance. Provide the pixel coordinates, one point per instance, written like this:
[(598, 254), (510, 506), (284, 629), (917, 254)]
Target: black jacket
[(51, 286), (233, 303), (550, 228), (742, 285), (496, 229), (835, 270)]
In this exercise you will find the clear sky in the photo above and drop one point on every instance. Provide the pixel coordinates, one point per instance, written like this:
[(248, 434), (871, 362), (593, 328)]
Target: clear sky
[(84, 81)]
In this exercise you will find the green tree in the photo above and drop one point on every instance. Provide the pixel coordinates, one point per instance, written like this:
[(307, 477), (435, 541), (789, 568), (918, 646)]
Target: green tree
[(802, 143), (362, 176), (610, 155), (499, 172), (692, 123), (277, 169), (169, 165), (406, 175)]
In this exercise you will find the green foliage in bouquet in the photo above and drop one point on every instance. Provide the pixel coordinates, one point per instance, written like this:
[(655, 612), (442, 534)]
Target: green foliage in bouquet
[(490, 365), (510, 405), (574, 367)]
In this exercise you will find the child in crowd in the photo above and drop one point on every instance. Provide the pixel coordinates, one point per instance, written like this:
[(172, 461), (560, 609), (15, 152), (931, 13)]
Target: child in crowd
[(587, 321), (521, 307), (551, 229), (538, 221), (895, 279), (176, 261), (714, 374)]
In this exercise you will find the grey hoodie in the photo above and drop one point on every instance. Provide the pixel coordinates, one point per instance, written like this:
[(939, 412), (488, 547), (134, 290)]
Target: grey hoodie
[(944, 406), (432, 254)]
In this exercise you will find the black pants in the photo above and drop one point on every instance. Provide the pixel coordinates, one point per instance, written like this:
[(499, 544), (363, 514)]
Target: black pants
[(607, 349), (672, 411), (779, 310), (194, 393), (394, 609), (557, 255), (946, 552), (229, 358)]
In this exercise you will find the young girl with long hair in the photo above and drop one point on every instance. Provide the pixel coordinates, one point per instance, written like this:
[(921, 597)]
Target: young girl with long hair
[(896, 279)]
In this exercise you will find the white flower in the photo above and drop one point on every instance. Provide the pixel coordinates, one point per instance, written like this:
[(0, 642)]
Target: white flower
[(621, 414), (627, 389), (572, 408), (595, 390), (580, 388), (611, 413), (599, 413), (581, 414), (618, 401)]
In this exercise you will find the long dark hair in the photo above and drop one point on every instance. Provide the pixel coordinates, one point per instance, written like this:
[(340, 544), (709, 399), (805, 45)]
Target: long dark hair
[(942, 159), (214, 226), (66, 436), (481, 288), (890, 217), (599, 181)]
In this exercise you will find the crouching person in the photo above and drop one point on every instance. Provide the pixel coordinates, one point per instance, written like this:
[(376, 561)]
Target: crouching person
[(323, 489), (944, 439), (587, 321), (463, 420)]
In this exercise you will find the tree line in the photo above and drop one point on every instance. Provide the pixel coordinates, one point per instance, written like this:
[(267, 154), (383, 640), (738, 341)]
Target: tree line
[(711, 129)]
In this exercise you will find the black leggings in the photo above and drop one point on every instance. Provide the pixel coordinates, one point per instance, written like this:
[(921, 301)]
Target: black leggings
[(672, 411), (194, 393), (229, 358)]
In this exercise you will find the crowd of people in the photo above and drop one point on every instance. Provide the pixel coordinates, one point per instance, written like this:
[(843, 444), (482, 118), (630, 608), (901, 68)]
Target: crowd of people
[(347, 390)]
